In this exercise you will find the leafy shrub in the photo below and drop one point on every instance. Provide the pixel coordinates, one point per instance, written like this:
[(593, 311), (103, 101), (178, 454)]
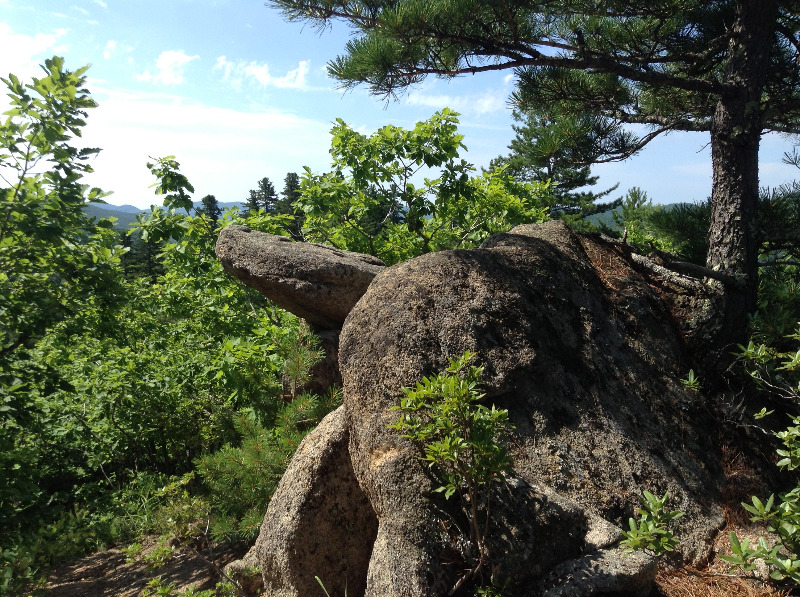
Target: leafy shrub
[(372, 203), (158, 588), (782, 516), (778, 373), (651, 532), (461, 439)]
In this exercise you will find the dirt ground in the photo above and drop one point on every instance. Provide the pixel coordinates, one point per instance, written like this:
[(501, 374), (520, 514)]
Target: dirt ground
[(716, 580), (107, 573)]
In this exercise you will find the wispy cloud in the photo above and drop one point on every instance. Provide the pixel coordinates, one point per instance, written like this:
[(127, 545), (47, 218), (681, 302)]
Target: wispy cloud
[(258, 73), (101, 4), (132, 127), (21, 54), (476, 105), (169, 68), (114, 48), (111, 46)]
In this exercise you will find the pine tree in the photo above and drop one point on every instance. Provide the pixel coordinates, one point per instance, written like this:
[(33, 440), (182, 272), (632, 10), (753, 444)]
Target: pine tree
[(211, 209), (262, 197), (290, 194), (285, 205), (558, 150)]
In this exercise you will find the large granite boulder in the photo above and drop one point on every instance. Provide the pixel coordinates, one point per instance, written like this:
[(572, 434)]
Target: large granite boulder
[(583, 350), (315, 282)]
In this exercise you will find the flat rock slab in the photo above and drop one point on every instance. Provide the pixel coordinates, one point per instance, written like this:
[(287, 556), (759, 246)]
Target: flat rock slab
[(318, 283)]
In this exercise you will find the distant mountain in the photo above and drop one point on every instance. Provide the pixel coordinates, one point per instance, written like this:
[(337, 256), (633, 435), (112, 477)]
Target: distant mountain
[(125, 217), (131, 209), (126, 214), (607, 217), (136, 210)]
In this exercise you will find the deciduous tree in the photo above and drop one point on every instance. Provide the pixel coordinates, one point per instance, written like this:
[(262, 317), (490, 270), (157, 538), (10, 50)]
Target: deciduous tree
[(378, 200), (53, 258)]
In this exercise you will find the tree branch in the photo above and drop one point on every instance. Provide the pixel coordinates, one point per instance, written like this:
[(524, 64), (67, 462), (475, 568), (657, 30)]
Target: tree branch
[(535, 58)]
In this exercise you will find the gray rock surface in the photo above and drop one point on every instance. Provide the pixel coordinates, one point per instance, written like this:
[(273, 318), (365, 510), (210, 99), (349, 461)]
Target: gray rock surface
[(318, 522), (315, 282), (606, 572), (583, 351)]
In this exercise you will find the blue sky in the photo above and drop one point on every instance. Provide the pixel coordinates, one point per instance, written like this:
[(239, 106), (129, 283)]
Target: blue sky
[(235, 94)]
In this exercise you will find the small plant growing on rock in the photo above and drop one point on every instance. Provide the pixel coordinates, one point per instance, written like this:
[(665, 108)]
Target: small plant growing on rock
[(651, 532), (461, 440)]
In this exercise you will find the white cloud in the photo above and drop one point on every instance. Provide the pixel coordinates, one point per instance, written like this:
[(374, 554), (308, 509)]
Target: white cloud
[(477, 105), (101, 4), (236, 73), (83, 11), (222, 151), (111, 45), (295, 78), (21, 54), (113, 48), (169, 68)]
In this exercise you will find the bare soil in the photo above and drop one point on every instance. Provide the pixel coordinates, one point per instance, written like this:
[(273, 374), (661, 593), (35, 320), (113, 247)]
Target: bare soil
[(108, 573)]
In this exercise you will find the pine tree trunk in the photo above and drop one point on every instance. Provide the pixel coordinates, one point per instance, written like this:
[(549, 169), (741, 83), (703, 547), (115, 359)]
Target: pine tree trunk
[(735, 136)]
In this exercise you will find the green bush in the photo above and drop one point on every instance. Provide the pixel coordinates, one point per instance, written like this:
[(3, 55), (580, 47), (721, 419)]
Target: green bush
[(462, 441), (777, 372), (781, 516), (371, 203), (651, 532)]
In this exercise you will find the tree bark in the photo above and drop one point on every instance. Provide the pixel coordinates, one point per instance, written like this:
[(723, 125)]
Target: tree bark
[(735, 137)]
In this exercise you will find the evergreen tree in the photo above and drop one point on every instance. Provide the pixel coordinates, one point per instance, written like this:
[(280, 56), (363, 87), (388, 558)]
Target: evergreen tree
[(262, 197), (290, 193), (728, 68), (211, 209), (558, 150), (142, 260), (285, 205)]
